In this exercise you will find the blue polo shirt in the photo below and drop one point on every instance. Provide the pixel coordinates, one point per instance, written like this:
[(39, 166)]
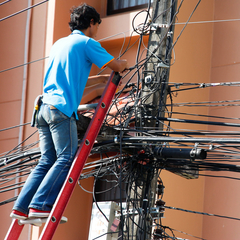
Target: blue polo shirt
[(69, 65)]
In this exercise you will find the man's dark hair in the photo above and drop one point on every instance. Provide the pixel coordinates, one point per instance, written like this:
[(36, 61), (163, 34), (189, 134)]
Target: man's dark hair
[(81, 17)]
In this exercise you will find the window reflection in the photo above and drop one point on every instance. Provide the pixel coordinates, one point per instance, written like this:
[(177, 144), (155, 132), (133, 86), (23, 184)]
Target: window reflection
[(115, 6)]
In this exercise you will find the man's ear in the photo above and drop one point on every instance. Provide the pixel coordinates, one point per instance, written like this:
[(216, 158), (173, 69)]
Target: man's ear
[(92, 21)]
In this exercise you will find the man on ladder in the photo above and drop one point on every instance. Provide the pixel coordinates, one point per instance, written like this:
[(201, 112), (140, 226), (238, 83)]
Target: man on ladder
[(67, 75)]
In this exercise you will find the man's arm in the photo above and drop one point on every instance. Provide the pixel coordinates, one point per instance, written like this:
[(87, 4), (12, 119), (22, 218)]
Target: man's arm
[(115, 65), (93, 80), (118, 65)]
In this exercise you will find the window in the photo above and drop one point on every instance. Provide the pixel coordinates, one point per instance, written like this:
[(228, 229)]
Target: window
[(117, 6)]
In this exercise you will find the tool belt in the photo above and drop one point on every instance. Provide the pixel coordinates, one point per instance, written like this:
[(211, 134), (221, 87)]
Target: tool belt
[(37, 104)]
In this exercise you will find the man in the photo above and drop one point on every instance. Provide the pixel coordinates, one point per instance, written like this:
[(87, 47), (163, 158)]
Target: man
[(67, 75)]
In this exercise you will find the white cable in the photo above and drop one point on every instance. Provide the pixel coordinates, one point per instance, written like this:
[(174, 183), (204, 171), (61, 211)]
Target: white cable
[(124, 33), (209, 21)]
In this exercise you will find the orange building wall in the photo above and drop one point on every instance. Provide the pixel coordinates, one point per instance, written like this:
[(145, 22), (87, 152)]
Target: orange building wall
[(14, 33), (193, 53), (206, 52), (222, 195)]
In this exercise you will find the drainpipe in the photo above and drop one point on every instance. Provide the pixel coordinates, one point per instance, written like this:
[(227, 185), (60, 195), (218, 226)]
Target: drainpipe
[(25, 72), (24, 87)]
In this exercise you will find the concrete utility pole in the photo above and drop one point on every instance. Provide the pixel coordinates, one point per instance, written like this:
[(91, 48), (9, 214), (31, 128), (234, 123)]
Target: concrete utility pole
[(159, 55), (154, 89)]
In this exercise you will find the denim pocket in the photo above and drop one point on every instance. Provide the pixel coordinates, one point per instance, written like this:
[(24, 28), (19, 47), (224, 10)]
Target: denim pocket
[(57, 116)]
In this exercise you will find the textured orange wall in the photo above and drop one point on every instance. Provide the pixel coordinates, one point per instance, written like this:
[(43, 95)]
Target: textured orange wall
[(11, 48), (193, 54), (12, 54), (206, 52), (222, 196)]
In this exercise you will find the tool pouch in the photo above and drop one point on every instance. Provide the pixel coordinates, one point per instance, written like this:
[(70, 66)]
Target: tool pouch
[(37, 104)]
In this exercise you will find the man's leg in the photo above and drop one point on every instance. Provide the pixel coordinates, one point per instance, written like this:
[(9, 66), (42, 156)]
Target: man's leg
[(48, 157), (64, 135)]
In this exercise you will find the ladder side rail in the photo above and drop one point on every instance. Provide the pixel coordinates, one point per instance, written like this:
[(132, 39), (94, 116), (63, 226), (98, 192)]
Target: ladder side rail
[(14, 230), (81, 157)]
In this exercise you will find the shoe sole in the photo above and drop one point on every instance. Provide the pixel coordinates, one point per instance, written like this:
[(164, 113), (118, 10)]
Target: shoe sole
[(16, 216)]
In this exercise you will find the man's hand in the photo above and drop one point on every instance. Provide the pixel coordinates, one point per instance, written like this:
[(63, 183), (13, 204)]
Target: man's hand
[(118, 65)]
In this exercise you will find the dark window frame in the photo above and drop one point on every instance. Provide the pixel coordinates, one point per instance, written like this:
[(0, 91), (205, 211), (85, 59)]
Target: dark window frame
[(110, 10)]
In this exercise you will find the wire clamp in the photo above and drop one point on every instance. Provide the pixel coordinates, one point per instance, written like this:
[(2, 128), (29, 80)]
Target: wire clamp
[(194, 151)]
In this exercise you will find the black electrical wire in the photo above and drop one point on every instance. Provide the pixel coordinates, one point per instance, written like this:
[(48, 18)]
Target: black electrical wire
[(208, 104), (195, 8), (129, 114), (6, 1), (94, 198), (202, 115), (189, 234), (219, 176), (200, 122), (21, 65), (21, 143), (202, 85), (11, 189), (104, 234), (23, 10), (20, 125), (8, 201), (202, 213)]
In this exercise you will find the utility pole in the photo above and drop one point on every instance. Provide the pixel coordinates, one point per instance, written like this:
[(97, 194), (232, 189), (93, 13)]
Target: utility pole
[(159, 54), (153, 101)]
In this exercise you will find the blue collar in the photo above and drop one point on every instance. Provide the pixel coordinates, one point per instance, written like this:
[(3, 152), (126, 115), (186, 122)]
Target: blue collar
[(77, 32)]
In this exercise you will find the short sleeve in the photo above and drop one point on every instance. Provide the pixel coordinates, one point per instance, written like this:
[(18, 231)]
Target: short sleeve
[(97, 54)]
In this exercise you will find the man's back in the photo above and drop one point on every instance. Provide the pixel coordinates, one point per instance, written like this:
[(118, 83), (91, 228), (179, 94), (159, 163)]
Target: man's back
[(69, 66)]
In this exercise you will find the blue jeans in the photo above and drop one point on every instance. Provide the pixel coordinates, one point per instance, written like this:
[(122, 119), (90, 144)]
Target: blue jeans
[(58, 145)]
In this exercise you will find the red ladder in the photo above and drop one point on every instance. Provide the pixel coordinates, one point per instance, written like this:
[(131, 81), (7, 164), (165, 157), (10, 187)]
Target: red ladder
[(77, 166)]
